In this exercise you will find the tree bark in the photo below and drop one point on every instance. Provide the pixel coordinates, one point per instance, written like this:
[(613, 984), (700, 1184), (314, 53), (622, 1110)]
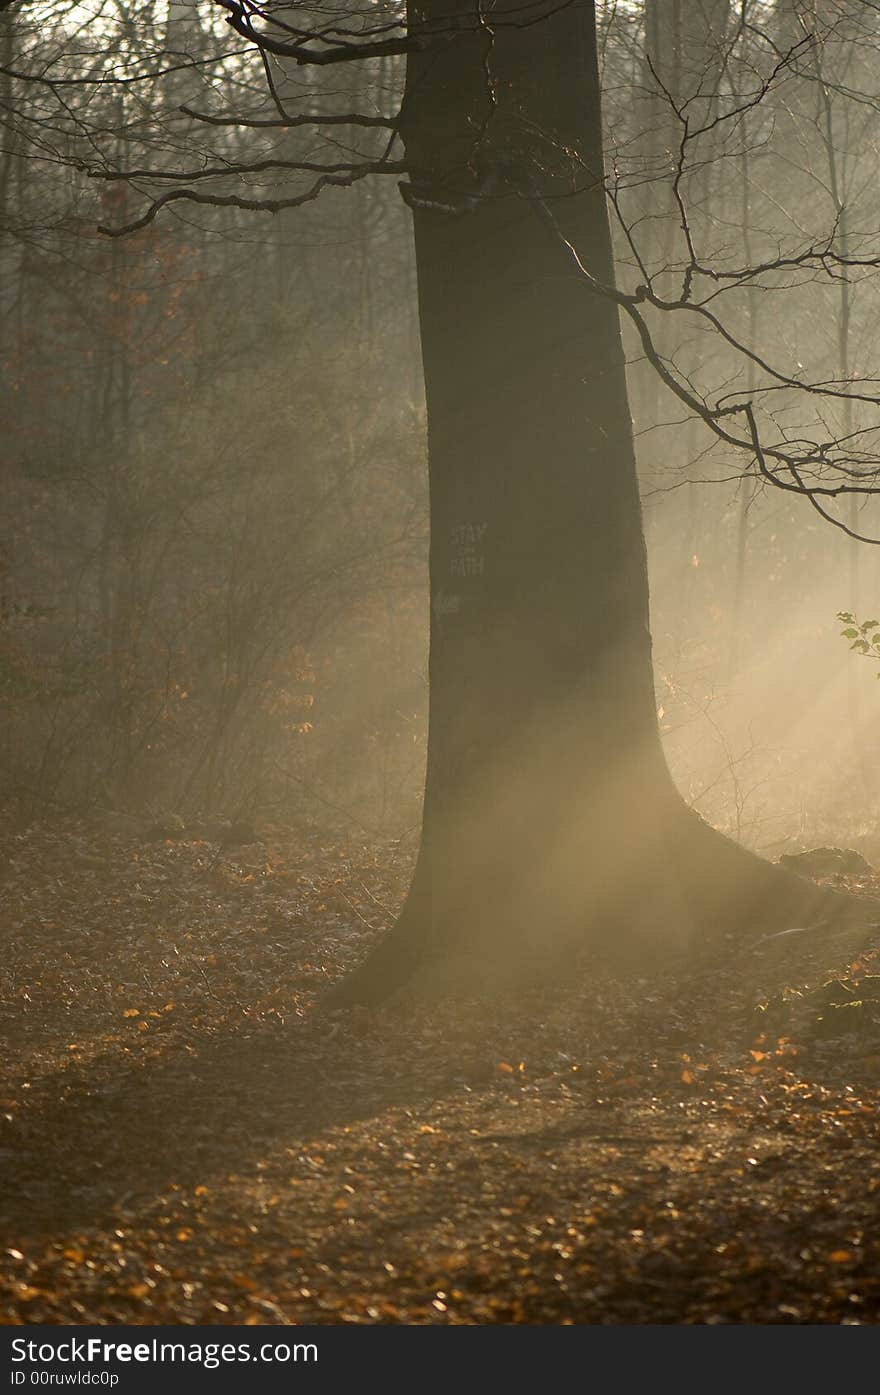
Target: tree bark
[(549, 816)]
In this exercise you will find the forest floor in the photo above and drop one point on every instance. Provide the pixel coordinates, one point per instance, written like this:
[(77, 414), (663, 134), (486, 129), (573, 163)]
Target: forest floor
[(188, 1138)]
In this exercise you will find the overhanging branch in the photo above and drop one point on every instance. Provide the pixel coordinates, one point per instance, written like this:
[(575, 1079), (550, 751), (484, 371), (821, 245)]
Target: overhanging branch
[(339, 181)]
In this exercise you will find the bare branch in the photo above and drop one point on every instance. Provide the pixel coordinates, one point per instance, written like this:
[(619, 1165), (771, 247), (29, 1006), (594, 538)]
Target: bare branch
[(238, 19), (288, 123), (774, 462), (252, 205), (257, 167)]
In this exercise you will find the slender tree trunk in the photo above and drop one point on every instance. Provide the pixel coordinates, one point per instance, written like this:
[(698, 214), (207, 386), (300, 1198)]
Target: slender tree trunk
[(549, 811), (747, 485)]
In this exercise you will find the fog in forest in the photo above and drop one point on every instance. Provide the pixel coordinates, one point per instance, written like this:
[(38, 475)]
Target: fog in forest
[(326, 998), (214, 525)]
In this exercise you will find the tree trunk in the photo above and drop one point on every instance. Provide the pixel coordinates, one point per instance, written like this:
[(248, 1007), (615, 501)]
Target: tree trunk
[(549, 812)]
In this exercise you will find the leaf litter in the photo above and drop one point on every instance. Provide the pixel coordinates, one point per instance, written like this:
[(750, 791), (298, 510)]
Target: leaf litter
[(188, 1137)]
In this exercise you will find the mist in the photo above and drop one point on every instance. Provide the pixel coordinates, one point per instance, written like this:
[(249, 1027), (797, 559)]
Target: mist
[(384, 399)]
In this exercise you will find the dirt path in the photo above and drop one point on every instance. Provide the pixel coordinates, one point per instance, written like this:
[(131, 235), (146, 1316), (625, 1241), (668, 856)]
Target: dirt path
[(186, 1139)]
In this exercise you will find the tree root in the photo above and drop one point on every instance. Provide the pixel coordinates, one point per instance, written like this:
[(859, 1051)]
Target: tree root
[(694, 886)]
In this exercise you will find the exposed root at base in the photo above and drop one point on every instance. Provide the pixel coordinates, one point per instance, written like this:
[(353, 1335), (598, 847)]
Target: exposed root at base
[(706, 889)]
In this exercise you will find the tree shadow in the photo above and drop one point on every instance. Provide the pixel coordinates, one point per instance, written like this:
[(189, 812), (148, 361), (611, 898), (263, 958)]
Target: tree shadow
[(95, 1137), (116, 1132)]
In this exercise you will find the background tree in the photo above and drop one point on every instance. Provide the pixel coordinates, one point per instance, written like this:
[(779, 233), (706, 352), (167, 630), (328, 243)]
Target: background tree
[(179, 589)]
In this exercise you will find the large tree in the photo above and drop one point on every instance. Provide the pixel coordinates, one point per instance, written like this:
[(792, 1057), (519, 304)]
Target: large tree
[(550, 815)]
